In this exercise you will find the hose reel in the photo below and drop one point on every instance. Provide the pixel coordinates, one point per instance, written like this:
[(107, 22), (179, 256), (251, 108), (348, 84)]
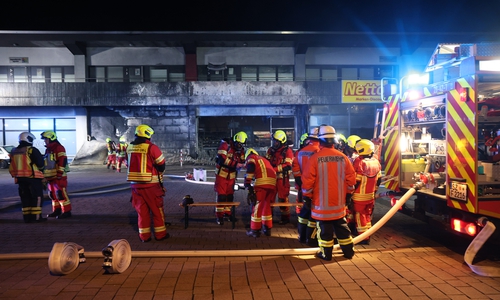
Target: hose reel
[(117, 256), (65, 258)]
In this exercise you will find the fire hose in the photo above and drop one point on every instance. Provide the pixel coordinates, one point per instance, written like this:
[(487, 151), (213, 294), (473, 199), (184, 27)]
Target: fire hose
[(65, 257)]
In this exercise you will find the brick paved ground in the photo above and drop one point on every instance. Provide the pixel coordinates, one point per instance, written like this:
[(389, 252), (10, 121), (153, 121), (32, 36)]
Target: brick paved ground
[(403, 261)]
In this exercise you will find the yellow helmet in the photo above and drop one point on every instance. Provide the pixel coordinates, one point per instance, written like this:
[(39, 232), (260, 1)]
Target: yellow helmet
[(240, 137), (303, 138), (49, 134), (108, 140), (340, 138), (250, 151), (123, 139), (144, 130), (326, 134), (280, 136), (365, 147), (352, 140)]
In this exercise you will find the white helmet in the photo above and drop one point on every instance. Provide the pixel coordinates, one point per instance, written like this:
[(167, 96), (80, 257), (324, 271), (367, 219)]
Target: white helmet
[(27, 137)]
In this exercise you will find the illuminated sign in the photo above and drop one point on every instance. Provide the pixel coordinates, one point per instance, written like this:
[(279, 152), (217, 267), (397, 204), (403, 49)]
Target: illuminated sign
[(361, 91)]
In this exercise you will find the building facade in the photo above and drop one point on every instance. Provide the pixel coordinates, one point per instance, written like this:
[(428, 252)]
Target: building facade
[(194, 90)]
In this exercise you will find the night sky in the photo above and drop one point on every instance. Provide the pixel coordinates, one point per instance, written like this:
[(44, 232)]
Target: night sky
[(306, 15)]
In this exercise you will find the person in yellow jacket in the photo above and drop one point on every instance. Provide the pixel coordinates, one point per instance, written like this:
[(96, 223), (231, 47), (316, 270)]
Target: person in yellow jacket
[(26, 163), (145, 174), (326, 179), (121, 154)]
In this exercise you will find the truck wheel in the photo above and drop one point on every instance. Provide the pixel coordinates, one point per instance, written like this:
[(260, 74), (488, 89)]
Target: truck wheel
[(4, 164)]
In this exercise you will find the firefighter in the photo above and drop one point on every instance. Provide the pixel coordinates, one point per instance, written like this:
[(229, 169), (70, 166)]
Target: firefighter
[(325, 182), (121, 154), (368, 177), (111, 146), (340, 142), (263, 191), (26, 165), (230, 158), (145, 174), (281, 158), (350, 147), (296, 170), (55, 172), (306, 226)]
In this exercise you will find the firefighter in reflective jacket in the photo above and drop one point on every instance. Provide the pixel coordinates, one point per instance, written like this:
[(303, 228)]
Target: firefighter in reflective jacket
[(281, 158), (368, 178), (145, 174), (306, 226), (121, 154), (26, 163), (259, 169), (230, 158), (350, 147), (325, 181), (56, 166), (111, 146)]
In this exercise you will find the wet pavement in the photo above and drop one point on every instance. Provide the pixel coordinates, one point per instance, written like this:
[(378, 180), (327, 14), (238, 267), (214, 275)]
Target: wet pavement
[(406, 258)]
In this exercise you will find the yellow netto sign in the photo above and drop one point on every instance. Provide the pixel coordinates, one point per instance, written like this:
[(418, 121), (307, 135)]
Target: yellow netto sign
[(361, 91)]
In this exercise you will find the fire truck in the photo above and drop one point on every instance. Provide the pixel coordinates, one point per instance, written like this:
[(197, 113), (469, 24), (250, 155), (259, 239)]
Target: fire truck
[(446, 137)]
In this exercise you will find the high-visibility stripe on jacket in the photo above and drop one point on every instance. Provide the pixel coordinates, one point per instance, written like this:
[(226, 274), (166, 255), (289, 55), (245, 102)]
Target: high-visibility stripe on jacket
[(368, 172), (21, 164), (121, 150), (141, 163), (261, 169), (280, 159), (55, 160), (227, 159), (302, 157), (325, 180)]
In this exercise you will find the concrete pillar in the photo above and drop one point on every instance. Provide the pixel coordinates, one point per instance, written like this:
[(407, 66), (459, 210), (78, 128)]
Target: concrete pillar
[(80, 68), (300, 67)]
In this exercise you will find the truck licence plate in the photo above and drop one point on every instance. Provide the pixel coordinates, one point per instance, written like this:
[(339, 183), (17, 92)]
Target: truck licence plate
[(458, 191)]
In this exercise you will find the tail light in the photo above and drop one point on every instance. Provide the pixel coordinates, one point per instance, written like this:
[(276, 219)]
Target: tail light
[(469, 228)]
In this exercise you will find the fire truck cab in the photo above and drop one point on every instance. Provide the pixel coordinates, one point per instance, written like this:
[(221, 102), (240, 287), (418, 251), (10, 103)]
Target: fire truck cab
[(448, 136)]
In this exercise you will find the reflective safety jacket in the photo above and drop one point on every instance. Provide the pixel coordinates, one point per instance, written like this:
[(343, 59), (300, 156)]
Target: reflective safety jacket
[(302, 157), (326, 179), (228, 158), (121, 150), (56, 160), (260, 169), (368, 173), (142, 159), (281, 159), (111, 147), (22, 164)]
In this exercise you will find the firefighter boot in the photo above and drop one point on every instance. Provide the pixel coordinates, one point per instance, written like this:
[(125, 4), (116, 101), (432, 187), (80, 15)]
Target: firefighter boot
[(253, 233), (55, 213), (266, 230), (348, 250), (220, 221), (311, 239), (65, 215), (325, 254), (28, 218), (302, 230)]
